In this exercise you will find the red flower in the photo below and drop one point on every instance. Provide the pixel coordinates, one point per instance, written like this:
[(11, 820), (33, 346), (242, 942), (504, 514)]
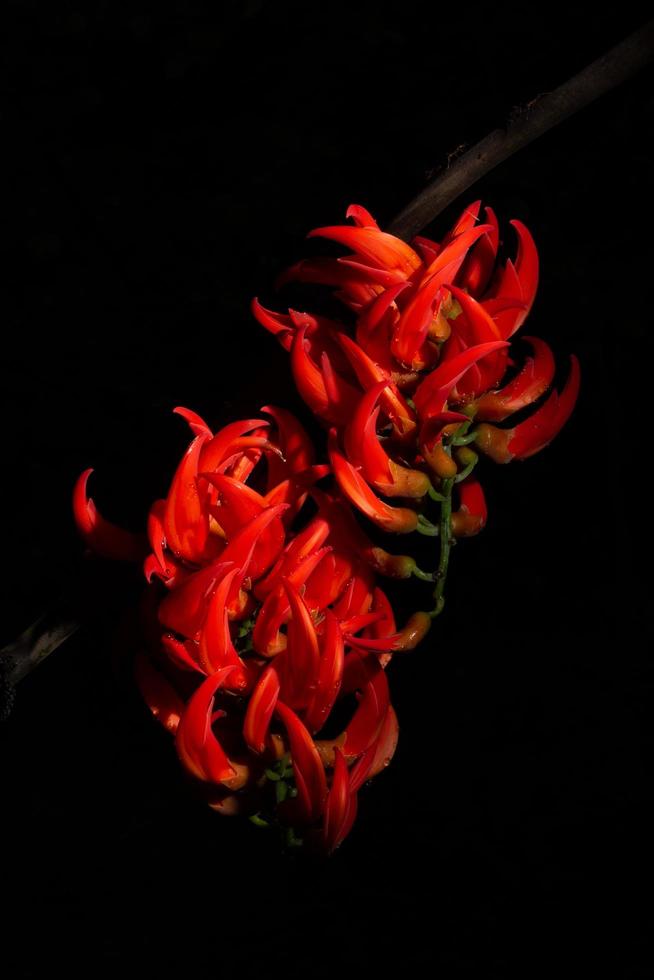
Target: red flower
[(425, 370), (255, 629)]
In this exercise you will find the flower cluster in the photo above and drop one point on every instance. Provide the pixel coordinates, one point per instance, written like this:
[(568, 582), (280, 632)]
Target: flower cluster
[(262, 616), (265, 632), (425, 370)]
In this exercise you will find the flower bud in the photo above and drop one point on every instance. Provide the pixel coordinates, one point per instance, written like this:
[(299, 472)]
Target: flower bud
[(494, 442), (440, 461), (415, 629)]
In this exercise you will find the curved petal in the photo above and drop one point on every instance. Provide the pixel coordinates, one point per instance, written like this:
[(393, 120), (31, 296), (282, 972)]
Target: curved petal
[(330, 674), (197, 746), (375, 246), (336, 808), (536, 432), (186, 518), (357, 491), (302, 657), (260, 708), (528, 385), (369, 716), (361, 217), (431, 396), (309, 772), (158, 693), (196, 423), (184, 609), (472, 514), (216, 649), (105, 539)]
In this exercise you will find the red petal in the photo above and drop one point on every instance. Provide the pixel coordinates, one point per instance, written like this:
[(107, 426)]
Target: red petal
[(243, 549), (361, 216), (337, 802), (260, 709), (197, 746), (478, 267), (216, 649), (279, 325), (357, 491), (386, 743), (197, 424), (184, 609), (432, 394), (158, 693), (376, 246), (180, 653), (307, 765), (330, 674), (302, 657), (528, 385), (536, 432), (186, 520), (448, 261), (101, 536), (369, 373), (371, 710), (294, 442), (216, 450)]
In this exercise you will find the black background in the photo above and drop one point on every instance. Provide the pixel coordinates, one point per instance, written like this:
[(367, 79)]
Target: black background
[(165, 165)]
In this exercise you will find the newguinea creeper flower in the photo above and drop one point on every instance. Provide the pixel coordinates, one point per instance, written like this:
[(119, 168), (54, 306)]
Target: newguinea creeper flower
[(426, 369), (262, 613), (264, 628)]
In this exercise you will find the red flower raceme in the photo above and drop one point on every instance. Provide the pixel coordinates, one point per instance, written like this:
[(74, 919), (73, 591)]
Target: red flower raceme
[(425, 371), (261, 616)]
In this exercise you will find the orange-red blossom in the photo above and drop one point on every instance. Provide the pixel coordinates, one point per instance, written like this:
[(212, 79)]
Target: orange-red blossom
[(261, 614)]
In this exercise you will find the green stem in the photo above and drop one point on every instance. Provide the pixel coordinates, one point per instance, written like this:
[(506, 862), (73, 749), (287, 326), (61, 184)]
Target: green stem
[(445, 529), (464, 440), (426, 527), (466, 471), (435, 495)]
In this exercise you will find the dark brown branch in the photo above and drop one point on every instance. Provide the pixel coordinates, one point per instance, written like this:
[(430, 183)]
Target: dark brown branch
[(540, 115), (36, 643)]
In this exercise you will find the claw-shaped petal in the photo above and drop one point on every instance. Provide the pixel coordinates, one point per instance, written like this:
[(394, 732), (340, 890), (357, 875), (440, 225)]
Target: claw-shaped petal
[(536, 432), (432, 394), (365, 450), (330, 674), (216, 649), (279, 325), (472, 514), (326, 393), (158, 693), (260, 708), (361, 217), (532, 435), (196, 423), (308, 769), (338, 800), (249, 550), (197, 746), (302, 657), (378, 247), (478, 267), (105, 539), (369, 716), (369, 373), (184, 609), (217, 450), (528, 385), (357, 491), (186, 519)]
